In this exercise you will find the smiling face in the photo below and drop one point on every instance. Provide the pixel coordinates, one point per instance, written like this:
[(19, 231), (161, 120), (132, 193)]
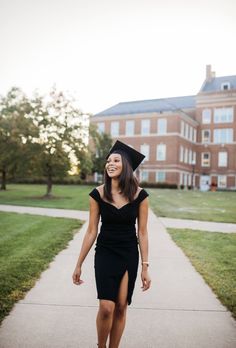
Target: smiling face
[(114, 165)]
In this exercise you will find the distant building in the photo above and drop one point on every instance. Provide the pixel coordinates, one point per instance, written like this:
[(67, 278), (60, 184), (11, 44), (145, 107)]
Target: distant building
[(189, 141)]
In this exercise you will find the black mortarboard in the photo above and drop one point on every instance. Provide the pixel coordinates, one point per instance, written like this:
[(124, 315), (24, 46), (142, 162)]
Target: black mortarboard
[(134, 157)]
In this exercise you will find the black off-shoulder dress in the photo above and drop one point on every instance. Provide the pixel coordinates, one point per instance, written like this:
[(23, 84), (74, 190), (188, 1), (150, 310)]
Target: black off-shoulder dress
[(117, 246)]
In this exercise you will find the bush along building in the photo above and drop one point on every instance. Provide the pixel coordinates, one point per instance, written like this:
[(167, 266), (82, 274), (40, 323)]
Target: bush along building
[(188, 141)]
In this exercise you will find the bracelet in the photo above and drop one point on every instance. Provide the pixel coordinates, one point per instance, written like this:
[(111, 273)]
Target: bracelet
[(145, 263)]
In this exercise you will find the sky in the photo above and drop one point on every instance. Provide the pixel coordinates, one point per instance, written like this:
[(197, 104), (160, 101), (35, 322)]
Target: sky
[(104, 52)]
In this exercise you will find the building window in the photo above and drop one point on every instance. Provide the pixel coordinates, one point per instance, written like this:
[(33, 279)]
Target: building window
[(206, 116), (186, 156), (206, 136), (186, 130), (98, 177), (161, 152), (145, 127), (222, 181), (190, 157), (194, 135), (181, 154), (161, 126), (144, 175), (223, 115), (205, 159), (145, 151), (194, 157), (223, 136), (101, 127), (182, 128), (160, 176), (225, 86), (114, 129), (129, 128), (191, 133), (222, 159)]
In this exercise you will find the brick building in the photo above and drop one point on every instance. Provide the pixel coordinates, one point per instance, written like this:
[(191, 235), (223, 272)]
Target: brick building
[(187, 140)]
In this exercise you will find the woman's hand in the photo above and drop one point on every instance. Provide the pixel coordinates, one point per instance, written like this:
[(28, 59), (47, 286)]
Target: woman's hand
[(146, 280), (76, 276)]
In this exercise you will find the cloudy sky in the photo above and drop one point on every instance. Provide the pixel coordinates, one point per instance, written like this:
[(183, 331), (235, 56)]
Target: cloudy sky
[(106, 51)]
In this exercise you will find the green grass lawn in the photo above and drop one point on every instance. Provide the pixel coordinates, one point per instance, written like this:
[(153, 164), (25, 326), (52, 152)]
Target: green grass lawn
[(28, 244), (65, 196), (196, 205), (208, 206), (213, 255)]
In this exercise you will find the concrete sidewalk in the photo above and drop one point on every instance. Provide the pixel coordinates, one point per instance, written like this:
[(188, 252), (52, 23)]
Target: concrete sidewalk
[(179, 311), (67, 213), (199, 225), (83, 215)]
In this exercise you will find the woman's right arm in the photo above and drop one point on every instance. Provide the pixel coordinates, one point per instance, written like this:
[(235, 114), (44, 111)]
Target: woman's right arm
[(88, 240)]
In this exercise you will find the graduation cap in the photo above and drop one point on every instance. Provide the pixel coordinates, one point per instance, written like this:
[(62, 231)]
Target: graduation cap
[(134, 157)]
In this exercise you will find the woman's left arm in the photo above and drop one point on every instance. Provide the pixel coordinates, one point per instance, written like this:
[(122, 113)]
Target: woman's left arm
[(143, 242)]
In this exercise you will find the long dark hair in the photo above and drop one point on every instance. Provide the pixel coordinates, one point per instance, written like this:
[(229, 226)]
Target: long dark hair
[(128, 183)]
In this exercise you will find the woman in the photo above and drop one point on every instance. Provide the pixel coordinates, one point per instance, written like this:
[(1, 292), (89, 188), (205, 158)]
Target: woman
[(119, 202)]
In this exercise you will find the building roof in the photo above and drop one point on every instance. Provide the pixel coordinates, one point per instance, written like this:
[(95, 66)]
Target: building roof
[(215, 83), (153, 105)]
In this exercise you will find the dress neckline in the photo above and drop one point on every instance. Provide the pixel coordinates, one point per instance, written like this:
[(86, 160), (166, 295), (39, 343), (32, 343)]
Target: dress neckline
[(122, 205)]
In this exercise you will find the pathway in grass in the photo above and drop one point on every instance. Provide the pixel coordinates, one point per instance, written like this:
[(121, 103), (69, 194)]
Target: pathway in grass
[(28, 243), (214, 257), (206, 206)]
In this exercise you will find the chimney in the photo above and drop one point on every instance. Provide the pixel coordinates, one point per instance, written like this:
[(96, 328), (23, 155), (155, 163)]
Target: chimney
[(209, 74)]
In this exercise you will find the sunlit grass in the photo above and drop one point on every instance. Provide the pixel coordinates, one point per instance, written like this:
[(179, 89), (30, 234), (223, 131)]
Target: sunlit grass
[(195, 205), (213, 255), (28, 244)]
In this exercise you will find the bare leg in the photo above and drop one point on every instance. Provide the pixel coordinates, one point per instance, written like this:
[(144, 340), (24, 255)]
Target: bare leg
[(104, 321), (119, 316)]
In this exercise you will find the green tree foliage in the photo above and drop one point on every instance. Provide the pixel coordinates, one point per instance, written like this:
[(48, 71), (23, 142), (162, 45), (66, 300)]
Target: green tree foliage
[(16, 133), (101, 144), (62, 132)]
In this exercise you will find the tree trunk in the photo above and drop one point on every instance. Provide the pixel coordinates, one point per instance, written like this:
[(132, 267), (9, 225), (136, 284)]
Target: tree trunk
[(49, 186), (3, 184)]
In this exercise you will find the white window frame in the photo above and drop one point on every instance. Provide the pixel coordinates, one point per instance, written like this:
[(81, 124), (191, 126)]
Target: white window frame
[(145, 127), (224, 115), (115, 128), (206, 116), (161, 126), (160, 173), (222, 181), (190, 154), (163, 157), (186, 155), (222, 159), (129, 127), (191, 133), (144, 175), (203, 160), (182, 130), (145, 149), (194, 135), (101, 127), (221, 138), (186, 130), (204, 138)]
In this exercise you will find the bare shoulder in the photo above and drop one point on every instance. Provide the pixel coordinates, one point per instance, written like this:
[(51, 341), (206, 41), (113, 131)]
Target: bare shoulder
[(100, 189)]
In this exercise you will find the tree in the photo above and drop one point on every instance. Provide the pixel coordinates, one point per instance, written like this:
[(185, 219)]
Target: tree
[(16, 133), (101, 144), (62, 131)]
